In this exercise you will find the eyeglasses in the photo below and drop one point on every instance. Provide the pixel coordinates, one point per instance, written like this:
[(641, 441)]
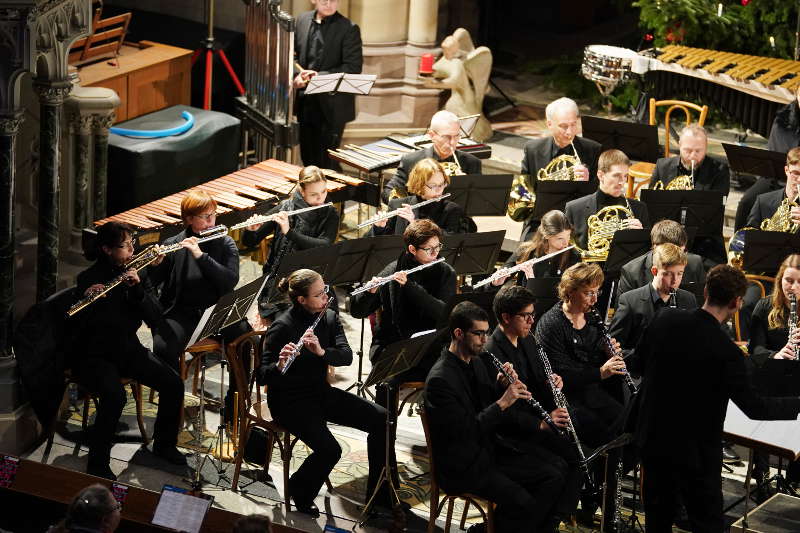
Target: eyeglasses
[(432, 249), (128, 244), (449, 138), (591, 294), (327, 2), (479, 332), (325, 290), (436, 186), (207, 216), (525, 316)]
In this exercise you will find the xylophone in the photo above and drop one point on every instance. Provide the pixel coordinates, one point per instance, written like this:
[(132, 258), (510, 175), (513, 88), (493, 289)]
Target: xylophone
[(239, 195)]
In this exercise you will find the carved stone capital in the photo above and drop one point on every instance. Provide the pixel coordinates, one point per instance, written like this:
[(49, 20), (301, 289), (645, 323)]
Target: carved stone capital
[(52, 92), (80, 124), (10, 124), (103, 122)]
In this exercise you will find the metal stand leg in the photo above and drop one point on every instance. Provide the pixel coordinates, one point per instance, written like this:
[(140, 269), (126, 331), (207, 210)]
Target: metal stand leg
[(361, 390)]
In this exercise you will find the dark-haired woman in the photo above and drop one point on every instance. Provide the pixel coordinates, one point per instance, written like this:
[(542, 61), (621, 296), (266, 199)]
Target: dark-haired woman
[(300, 397), (106, 349), (92, 510)]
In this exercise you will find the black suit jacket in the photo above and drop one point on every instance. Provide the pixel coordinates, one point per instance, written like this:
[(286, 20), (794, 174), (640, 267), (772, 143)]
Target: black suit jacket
[(578, 211), (711, 175), (469, 164), (765, 206), (691, 370), (538, 152), (636, 272), (341, 53)]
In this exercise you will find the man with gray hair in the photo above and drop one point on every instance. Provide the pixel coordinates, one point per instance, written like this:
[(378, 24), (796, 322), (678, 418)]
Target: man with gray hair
[(710, 174), (445, 132), (562, 123)]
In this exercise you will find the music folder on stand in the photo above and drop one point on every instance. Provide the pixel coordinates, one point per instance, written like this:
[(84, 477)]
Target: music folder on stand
[(472, 253), (555, 195), (703, 210), (481, 195), (231, 308), (765, 250)]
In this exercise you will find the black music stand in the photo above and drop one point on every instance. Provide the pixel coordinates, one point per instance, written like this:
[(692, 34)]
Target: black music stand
[(555, 195), (320, 259), (765, 250), (472, 253), (483, 299), (778, 377), (695, 288), (391, 361), (625, 245), (638, 141), (703, 210), (757, 162), (229, 309), (481, 195), (357, 261), (545, 294)]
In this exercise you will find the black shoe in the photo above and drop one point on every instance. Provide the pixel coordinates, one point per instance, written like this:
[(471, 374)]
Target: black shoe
[(103, 471), (477, 528), (728, 455), (170, 454), (310, 509)]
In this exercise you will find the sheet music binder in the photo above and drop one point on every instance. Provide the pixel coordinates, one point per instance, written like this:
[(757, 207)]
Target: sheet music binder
[(341, 82), (638, 141), (748, 160), (702, 209), (229, 309), (481, 195)]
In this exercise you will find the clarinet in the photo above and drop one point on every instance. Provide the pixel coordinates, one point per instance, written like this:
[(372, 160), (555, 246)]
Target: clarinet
[(673, 299), (537, 407), (610, 347), (793, 322), (298, 344)]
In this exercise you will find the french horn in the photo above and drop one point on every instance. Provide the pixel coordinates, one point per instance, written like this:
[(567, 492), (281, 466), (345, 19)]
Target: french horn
[(602, 226)]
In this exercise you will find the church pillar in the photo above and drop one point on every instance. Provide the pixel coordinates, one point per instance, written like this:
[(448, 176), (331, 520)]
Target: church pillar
[(9, 126)]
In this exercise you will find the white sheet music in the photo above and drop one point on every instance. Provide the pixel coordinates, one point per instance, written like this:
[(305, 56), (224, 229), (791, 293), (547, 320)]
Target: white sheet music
[(180, 511), (780, 433)]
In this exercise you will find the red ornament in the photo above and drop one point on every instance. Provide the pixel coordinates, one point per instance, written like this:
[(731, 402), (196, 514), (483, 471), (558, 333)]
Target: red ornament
[(648, 37), (745, 2), (426, 64)]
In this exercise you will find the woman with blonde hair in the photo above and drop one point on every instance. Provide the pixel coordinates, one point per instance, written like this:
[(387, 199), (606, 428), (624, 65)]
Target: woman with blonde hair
[(427, 181), (769, 327)]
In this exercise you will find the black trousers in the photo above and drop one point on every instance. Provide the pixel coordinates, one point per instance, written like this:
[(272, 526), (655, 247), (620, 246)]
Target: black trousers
[(101, 376), (700, 488), (317, 135), (308, 420)]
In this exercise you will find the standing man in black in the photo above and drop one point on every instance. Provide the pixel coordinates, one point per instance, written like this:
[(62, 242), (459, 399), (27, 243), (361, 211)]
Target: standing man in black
[(691, 371), (325, 42), (464, 418)]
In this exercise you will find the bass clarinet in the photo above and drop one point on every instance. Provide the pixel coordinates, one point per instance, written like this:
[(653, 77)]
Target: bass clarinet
[(611, 350)]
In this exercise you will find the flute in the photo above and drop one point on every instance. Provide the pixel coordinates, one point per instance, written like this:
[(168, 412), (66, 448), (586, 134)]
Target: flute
[(505, 272), (260, 219), (298, 346), (395, 212), (383, 281)]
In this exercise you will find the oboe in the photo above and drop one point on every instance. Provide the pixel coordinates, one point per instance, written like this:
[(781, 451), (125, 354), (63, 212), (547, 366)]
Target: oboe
[(383, 281), (612, 351), (395, 212), (260, 219), (544, 415), (793, 322), (298, 346)]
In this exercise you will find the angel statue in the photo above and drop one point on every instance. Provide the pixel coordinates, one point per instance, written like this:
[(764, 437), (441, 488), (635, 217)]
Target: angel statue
[(464, 70)]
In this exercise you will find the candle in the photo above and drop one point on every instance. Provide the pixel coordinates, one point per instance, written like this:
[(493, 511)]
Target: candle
[(426, 64), (772, 41), (719, 9)]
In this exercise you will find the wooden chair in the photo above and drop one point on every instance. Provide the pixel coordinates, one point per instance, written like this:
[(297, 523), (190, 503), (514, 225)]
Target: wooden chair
[(759, 281), (469, 499), (256, 413), (105, 40), (639, 173)]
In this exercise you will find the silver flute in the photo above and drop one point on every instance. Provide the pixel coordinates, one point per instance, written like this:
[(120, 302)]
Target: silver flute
[(298, 346), (384, 280), (395, 212), (260, 219), (612, 351), (504, 272)]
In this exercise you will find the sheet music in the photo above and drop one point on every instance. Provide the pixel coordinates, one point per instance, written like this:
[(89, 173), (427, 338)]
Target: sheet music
[(180, 511), (357, 83), (323, 83), (779, 433)]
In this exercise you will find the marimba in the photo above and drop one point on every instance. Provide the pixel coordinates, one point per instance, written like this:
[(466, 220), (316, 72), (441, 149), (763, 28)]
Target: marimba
[(239, 194)]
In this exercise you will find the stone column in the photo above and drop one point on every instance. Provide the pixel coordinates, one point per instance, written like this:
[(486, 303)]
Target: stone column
[(422, 22), (51, 100), (82, 131), (101, 125), (9, 126)]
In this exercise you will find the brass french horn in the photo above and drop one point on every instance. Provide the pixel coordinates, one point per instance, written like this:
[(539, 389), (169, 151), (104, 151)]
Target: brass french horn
[(781, 219), (680, 183), (602, 226)]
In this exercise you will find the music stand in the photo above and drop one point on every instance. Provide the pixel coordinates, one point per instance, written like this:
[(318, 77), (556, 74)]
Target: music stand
[(765, 250), (391, 361), (545, 294), (472, 253), (695, 288), (481, 195), (483, 299), (320, 259), (229, 309), (340, 82), (778, 377), (638, 141), (701, 209), (625, 244), (555, 195), (757, 162)]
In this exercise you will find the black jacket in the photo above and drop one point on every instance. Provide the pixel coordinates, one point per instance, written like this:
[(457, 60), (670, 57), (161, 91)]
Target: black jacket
[(413, 307), (765, 342), (446, 214), (636, 272), (691, 371), (578, 211), (785, 132), (307, 375), (341, 53), (765, 206), (469, 164), (192, 283), (311, 229), (539, 152), (711, 175)]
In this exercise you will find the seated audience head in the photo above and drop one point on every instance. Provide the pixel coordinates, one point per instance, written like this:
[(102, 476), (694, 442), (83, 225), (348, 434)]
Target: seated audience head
[(725, 288), (313, 185), (669, 262), (562, 120), (428, 179), (306, 288), (113, 243), (668, 231), (792, 170), (199, 211), (580, 285), (612, 172), (693, 144), (423, 240), (513, 307), (93, 509), (445, 132), (254, 523), (552, 235), (788, 285), (469, 330)]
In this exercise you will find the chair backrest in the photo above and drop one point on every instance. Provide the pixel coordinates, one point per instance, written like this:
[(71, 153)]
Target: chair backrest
[(672, 105), (427, 429), (105, 40), (248, 344)]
